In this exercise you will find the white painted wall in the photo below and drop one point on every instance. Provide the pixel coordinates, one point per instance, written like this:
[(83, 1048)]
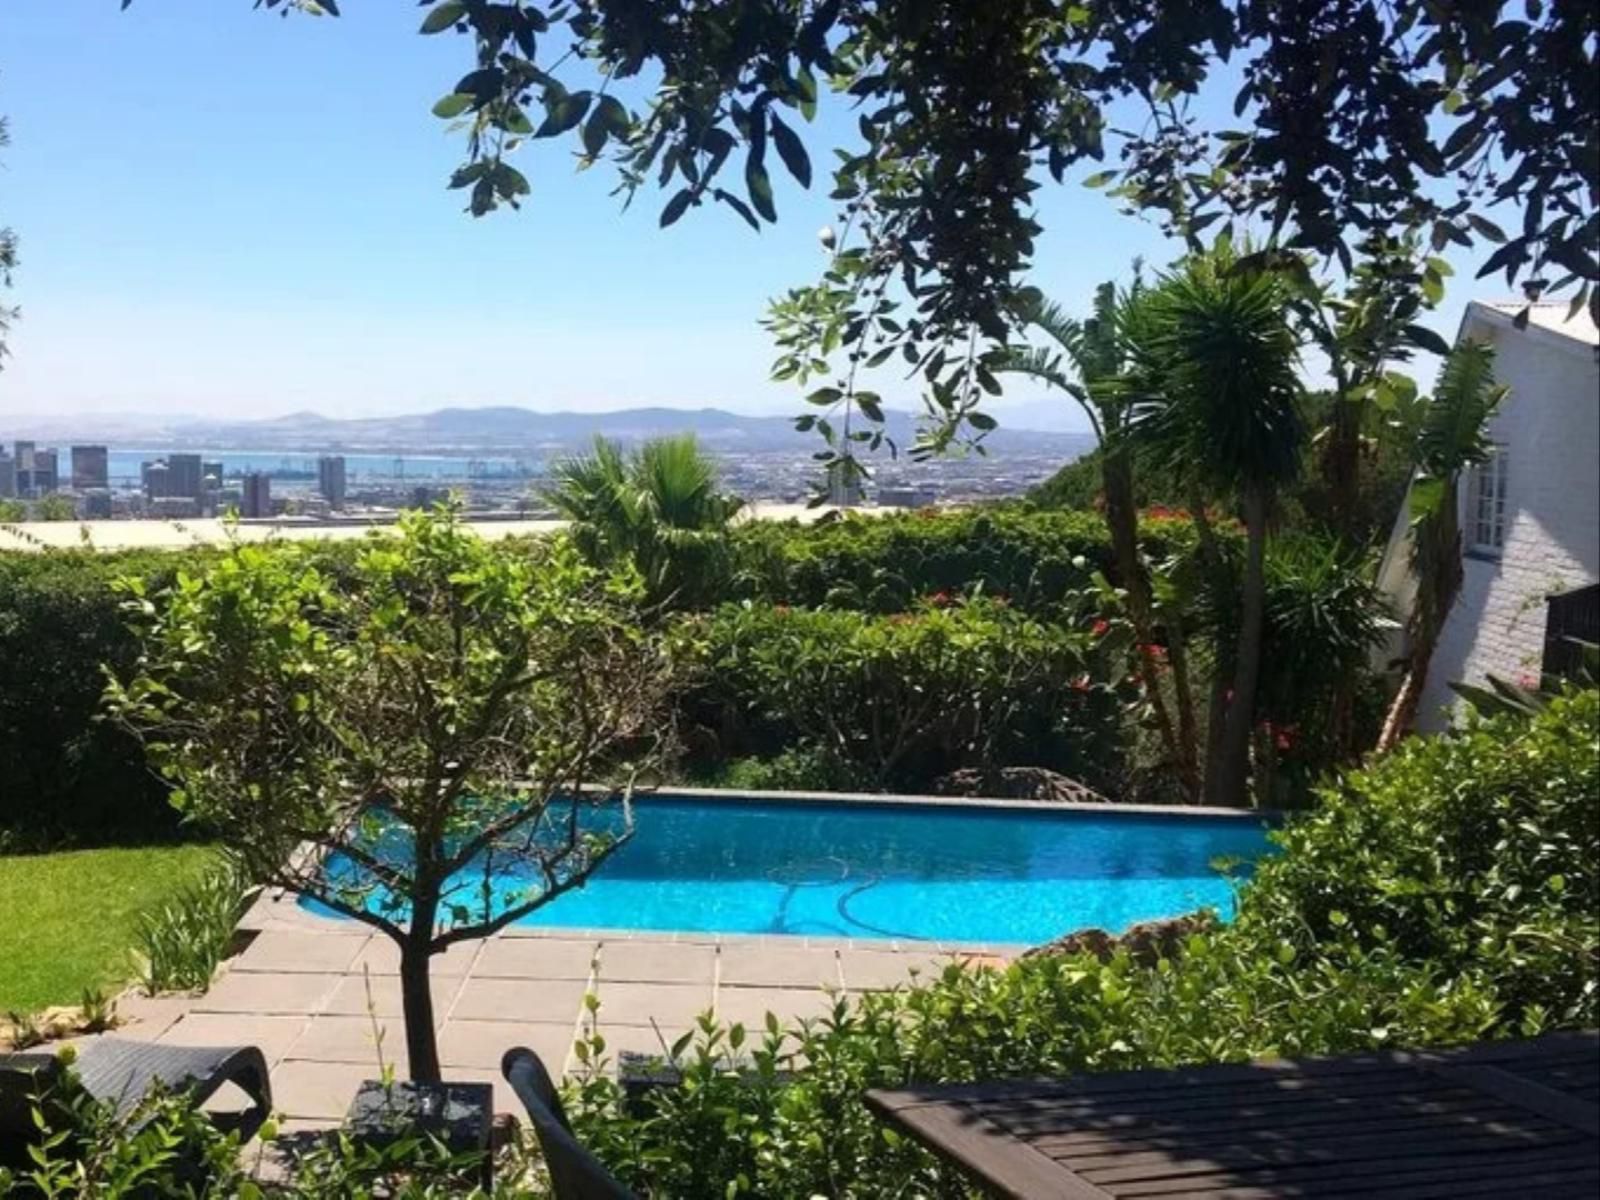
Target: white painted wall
[(1550, 424)]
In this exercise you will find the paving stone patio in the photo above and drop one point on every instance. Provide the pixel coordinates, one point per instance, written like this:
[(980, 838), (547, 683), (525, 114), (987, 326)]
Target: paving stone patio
[(317, 994)]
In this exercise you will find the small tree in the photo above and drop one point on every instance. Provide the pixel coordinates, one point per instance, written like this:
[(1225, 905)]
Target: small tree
[(1453, 437), (410, 740)]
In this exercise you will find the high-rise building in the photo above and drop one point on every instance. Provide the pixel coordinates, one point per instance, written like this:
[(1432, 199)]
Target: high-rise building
[(8, 475), (153, 478), (330, 479), (184, 476), (90, 467), (257, 495), (46, 473), (22, 467), (210, 488)]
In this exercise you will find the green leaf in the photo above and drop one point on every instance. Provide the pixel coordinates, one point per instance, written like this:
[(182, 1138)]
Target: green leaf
[(595, 132), (676, 207), (1424, 338), (443, 16), (1426, 495), (825, 396), (1099, 179), (610, 112), (452, 105), (759, 185), (791, 151), (1486, 227), (563, 112)]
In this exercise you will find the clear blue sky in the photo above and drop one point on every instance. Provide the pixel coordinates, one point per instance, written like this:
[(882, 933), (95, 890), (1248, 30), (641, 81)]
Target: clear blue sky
[(223, 212)]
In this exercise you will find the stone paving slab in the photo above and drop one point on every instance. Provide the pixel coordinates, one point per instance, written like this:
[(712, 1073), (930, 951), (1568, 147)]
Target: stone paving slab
[(299, 990), (537, 958), (356, 995)]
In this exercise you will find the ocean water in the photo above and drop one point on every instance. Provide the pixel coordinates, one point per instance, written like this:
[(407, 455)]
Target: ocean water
[(936, 873), (122, 466)]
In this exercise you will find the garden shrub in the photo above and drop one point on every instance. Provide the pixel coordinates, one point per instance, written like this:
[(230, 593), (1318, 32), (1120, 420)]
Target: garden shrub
[(1446, 894), (1477, 851), (66, 777), (794, 769), (888, 563), (908, 697)]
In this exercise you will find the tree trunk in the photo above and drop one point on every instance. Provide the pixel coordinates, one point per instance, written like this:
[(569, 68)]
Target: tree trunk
[(1211, 559), (1342, 472), (1402, 712), (1122, 521), (1341, 467), (1233, 760), (416, 998)]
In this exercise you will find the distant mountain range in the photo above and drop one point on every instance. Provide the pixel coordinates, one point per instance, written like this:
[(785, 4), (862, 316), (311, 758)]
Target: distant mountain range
[(497, 429)]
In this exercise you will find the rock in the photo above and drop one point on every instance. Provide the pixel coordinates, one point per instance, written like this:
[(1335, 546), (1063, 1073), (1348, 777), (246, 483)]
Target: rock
[(1147, 943), (1017, 783)]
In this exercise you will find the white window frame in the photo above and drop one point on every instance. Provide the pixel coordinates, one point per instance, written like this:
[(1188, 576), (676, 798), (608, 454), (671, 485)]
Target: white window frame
[(1488, 513)]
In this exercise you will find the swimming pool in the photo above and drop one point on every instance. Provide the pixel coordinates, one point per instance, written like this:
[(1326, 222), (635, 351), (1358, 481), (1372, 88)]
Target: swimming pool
[(936, 872)]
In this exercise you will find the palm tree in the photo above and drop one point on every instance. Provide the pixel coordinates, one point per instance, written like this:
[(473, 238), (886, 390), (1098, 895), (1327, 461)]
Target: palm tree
[(1087, 362), (1452, 438), (1217, 403), (658, 508)]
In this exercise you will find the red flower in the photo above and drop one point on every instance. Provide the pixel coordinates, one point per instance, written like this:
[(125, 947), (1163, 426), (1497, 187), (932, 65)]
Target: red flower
[(1100, 628)]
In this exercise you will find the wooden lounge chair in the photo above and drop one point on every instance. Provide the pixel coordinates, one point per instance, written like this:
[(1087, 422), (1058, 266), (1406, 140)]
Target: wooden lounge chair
[(121, 1073), (574, 1172)]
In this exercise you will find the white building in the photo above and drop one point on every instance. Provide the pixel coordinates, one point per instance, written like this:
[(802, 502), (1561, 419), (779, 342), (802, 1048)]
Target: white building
[(1530, 517)]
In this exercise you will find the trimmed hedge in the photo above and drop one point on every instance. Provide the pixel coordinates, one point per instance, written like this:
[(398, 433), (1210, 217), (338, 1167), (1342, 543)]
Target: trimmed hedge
[(66, 777), (899, 700), (887, 563)]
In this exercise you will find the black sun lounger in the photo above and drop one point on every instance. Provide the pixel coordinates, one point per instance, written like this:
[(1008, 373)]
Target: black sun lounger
[(121, 1072), (574, 1172)]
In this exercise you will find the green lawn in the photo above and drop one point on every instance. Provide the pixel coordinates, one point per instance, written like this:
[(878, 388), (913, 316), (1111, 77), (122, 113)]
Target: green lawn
[(67, 920)]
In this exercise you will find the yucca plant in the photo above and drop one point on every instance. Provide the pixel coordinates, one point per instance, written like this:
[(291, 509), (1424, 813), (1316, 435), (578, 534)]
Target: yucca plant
[(658, 508), (1217, 403)]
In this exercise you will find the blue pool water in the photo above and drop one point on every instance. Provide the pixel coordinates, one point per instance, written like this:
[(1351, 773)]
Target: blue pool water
[(846, 869)]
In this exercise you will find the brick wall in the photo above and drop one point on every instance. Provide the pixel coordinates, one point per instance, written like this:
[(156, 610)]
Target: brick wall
[(1550, 424)]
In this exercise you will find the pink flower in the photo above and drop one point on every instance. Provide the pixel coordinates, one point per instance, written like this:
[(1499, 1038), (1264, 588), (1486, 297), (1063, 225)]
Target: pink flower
[(1100, 628)]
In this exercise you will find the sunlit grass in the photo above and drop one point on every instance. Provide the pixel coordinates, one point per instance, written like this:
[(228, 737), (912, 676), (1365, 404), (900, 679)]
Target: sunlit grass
[(69, 919)]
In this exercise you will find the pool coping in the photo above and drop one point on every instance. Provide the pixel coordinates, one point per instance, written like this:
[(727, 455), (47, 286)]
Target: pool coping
[(914, 800), (280, 909)]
